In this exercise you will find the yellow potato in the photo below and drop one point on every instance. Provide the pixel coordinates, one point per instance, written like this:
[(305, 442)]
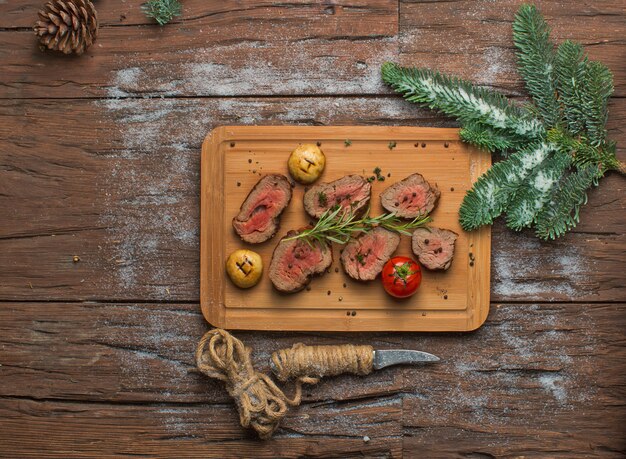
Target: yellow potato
[(244, 267), (306, 163)]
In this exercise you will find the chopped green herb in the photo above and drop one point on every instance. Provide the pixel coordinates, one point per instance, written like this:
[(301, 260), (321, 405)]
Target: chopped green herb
[(360, 259), (322, 199), (371, 179), (392, 145), (378, 171), (347, 142)]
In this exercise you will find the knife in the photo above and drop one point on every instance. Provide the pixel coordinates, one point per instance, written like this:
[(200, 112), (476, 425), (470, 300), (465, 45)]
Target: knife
[(301, 361)]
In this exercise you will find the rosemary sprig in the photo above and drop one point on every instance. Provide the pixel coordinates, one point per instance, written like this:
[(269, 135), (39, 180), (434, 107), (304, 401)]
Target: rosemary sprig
[(339, 225), (393, 223)]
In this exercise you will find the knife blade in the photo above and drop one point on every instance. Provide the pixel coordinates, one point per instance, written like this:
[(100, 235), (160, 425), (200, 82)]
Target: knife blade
[(388, 357), (302, 361)]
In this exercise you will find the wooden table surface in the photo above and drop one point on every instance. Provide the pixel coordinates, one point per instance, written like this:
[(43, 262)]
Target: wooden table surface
[(99, 158)]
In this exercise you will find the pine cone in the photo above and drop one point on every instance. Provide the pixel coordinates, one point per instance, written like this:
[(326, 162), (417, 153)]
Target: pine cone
[(69, 26)]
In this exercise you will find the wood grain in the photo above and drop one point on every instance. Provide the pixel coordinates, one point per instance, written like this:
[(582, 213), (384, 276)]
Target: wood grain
[(174, 431), (297, 48), (254, 48), (129, 12), (482, 49), (540, 379), (115, 180), (122, 193)]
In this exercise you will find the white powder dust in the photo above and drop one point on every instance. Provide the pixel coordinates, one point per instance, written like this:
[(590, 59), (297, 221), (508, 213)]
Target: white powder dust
[(524, 276), (554, 385)]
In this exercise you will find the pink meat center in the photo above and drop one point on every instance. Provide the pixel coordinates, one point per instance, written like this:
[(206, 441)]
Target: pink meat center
[(436, 250), (369, 252), (262, 212), (299, 261), (346, 195), (411, 199)]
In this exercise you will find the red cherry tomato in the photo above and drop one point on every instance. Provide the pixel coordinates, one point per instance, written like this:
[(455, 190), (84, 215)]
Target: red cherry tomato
[(401, 277)]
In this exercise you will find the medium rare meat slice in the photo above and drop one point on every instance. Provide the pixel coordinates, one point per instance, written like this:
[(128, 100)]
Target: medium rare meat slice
[(434, 247), (410, 197), (295, 262), (257, 220), (363, 258), (351, 192)]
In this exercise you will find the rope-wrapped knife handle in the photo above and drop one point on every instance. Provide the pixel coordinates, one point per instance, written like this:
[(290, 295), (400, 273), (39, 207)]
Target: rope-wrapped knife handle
[(309, 363)]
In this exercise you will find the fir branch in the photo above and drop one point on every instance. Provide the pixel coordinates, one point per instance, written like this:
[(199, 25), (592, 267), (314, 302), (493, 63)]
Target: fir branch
[(595, 97), (340, 225), (493, 191), (570, 70), (583, 153), (460, 99), (536, 190), (531, 36), (560, 139), (488, 138), (162, 11), (561, 214)]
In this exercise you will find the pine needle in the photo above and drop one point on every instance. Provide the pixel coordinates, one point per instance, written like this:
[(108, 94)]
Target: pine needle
[(560, 139), (162, 11), (561, 214), (595, 95), (460, 99), (570, 71), (531, 35), (494, 190), (489, 138), (530, 198)]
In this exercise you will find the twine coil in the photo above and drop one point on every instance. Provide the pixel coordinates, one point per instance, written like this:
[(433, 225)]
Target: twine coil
[(260, 402)]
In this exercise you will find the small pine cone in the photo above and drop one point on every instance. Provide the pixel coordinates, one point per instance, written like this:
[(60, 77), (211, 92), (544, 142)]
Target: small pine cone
[(69, 26)]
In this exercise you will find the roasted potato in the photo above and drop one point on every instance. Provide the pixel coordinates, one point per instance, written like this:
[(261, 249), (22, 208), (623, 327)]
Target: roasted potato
[(306, 163), (244, 267)]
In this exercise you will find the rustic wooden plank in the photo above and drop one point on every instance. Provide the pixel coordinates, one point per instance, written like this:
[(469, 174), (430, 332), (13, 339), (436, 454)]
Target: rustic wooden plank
[(472, 38), (129, 12), (122, 193), (527, 406), (31, 428), (189, 63), (135, 352), (264, 50), (536, 378), (295, 47)]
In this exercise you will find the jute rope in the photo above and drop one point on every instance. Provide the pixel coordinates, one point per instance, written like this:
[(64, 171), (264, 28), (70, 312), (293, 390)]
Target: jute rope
[(262, 404), (309, 363)]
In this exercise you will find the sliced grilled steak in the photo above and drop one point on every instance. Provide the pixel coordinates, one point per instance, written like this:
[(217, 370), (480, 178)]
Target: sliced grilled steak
[(363, 258), (258, 218), (351, 191), (410, 197), (295, 262), (434, 247)]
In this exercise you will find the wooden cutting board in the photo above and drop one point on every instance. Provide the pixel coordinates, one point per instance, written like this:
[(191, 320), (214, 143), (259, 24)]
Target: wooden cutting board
[(235, 157)]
